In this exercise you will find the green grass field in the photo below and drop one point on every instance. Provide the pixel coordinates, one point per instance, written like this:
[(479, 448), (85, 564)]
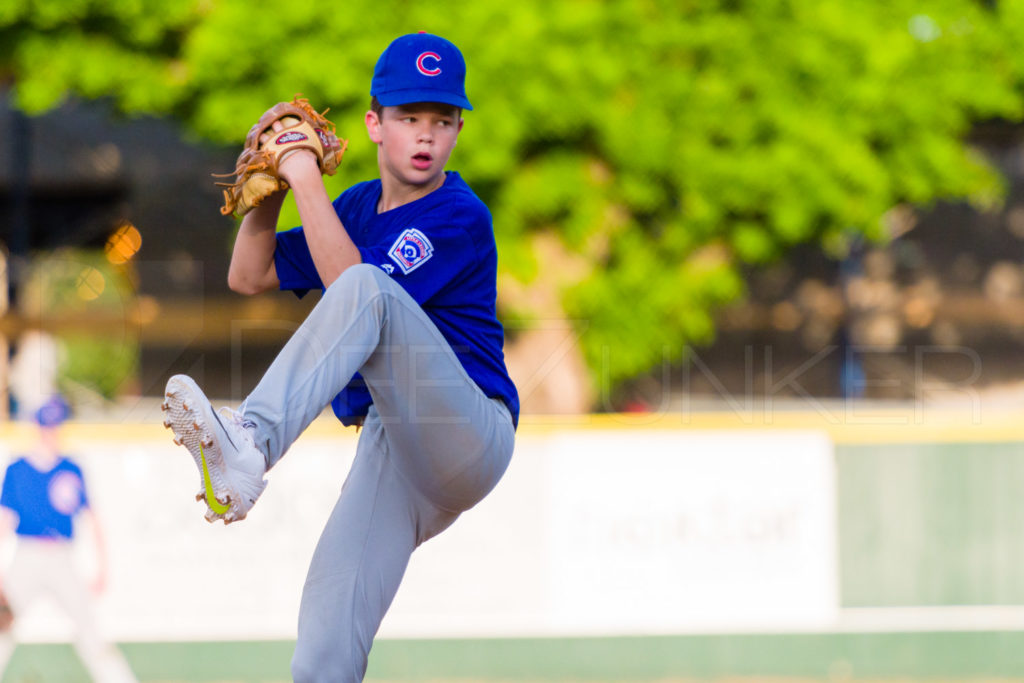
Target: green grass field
[(876, 657)]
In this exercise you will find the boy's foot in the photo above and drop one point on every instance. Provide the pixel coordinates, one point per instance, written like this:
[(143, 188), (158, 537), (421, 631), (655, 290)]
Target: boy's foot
[(230, 466)]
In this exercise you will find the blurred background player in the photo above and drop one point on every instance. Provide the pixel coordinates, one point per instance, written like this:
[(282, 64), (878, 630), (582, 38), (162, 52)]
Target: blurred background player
[(43, 496)]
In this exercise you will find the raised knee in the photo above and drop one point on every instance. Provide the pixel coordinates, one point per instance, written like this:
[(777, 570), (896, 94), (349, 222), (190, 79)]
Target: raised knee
[(365, 272), (361, 279)]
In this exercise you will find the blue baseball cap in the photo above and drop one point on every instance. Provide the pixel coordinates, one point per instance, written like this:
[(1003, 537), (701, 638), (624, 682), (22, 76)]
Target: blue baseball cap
[(52, 413), (420, 67)]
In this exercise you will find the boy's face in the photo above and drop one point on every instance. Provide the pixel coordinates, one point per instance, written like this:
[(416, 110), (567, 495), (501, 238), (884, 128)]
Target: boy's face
[(414, 141)]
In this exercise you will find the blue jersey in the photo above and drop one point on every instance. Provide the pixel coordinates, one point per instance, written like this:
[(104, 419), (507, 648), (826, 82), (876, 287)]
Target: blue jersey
[(45, 502), (441, 250)]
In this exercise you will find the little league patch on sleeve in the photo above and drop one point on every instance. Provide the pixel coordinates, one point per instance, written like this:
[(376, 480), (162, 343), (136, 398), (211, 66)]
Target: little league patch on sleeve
[(411, 250)]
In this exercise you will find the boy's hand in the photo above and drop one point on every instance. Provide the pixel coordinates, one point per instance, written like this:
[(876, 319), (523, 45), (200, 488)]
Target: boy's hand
[(288, 131), (295, 161)]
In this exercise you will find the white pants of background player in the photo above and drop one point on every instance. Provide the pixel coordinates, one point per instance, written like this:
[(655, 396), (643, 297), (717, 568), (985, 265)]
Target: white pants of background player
[(432, 446), (47, 569)]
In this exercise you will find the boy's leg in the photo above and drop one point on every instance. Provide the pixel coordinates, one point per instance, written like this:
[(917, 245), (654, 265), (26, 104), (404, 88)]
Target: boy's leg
[(445, 435), (21, 586), (359, 562), (450, 440), (456, 442), (7, 646), (102, 659), (432, 447)]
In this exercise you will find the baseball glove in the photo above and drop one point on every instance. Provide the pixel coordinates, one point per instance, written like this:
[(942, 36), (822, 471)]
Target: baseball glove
[(256, 169), (6, 613)]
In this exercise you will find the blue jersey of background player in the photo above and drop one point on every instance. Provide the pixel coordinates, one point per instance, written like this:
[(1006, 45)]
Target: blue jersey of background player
[(439, 248), (45, 502), (45, 491)]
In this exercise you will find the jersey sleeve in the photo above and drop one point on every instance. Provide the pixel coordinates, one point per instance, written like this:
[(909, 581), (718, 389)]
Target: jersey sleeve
[(424, 259), (294, 264)]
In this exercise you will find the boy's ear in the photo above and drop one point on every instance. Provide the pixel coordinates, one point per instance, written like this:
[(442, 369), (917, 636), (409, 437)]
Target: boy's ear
[(373, 127)]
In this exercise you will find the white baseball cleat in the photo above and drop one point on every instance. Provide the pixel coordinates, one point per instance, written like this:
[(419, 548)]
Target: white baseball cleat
[(231, 468)]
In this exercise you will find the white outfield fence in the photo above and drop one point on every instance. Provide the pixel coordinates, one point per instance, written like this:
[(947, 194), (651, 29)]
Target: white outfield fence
[(644, 530)]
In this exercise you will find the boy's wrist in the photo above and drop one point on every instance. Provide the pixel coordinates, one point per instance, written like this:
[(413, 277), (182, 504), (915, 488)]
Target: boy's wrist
[(264, 215), (299, 166)]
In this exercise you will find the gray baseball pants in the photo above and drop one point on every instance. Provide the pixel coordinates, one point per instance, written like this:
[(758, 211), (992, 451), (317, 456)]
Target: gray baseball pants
[(47, 568), (432, 446)]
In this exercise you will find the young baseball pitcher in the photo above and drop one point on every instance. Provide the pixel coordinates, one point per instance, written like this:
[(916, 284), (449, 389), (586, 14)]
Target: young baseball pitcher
[(404, 341)]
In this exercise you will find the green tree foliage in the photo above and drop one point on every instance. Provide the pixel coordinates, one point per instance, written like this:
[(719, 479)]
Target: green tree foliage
[(667, 143), (76, 286)]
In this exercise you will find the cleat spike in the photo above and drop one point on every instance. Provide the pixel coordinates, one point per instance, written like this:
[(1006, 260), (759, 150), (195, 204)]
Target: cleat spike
[(165, 406), (195, 426), (177, 441), (184, 406), (167, 424)]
